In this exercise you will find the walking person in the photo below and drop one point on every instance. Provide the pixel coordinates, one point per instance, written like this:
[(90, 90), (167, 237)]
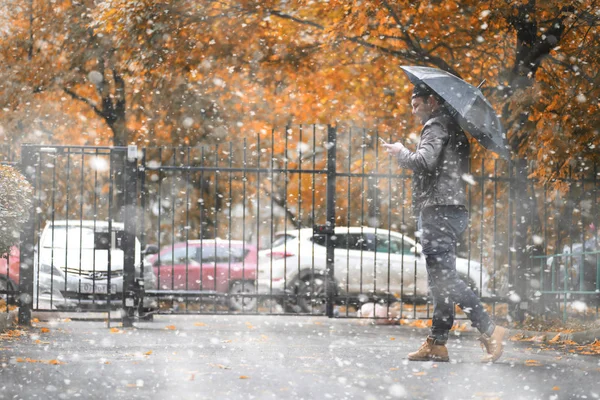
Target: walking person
[(439, 165)]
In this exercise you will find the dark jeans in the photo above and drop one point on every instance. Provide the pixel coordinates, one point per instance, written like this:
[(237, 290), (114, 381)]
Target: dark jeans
[(441, 227)]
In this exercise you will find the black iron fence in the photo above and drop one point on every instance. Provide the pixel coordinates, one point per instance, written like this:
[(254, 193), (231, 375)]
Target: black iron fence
[(307, 220), (9, 262)]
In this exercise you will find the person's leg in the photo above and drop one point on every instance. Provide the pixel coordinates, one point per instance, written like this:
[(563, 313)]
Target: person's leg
[(441, 228), (443, 306), (434, 347), (455, 290)]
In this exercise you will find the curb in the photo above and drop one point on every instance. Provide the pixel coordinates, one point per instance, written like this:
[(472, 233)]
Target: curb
[(581, 338), (10, 319)]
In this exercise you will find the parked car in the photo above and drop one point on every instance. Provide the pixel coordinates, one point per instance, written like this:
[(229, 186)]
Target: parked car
[(581, 262), (367, 261), (72, 266), (209, 265), (9, 273)]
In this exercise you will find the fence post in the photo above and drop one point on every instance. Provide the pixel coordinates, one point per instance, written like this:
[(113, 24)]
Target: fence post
[(330, 216), (129, 221), (29, 165), (522, 212)]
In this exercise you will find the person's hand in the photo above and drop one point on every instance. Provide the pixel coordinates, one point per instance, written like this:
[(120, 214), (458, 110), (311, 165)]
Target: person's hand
[(393, 148)]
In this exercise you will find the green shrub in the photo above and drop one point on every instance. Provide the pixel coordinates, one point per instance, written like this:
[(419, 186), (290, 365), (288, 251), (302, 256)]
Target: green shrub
[(15, 202)]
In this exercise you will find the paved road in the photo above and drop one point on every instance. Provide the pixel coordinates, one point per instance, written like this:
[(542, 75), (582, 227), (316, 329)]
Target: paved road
[(276, 357)]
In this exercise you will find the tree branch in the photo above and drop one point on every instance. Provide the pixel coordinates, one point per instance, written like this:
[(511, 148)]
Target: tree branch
[(298, 20), (86, 101)]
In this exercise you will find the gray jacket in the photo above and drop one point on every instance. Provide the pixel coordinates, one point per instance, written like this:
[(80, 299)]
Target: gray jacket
[(439, 163)]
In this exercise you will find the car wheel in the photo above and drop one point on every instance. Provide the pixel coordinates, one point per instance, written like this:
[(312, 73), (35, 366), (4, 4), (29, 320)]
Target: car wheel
[(311, 295), (237, 302)]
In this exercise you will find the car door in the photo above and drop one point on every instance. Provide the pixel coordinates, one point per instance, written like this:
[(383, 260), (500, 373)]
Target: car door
[(178, 269), (354, 262), (407, 269), (214, 267)]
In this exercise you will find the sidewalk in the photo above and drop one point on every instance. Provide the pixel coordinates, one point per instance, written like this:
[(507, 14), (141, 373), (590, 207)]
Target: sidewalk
[(272, 357)]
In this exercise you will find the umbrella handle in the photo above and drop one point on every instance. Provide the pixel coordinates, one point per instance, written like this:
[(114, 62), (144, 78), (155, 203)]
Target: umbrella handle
[(481, 84)]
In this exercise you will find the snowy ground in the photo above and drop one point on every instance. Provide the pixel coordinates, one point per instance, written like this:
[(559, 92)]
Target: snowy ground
[(274, 357)]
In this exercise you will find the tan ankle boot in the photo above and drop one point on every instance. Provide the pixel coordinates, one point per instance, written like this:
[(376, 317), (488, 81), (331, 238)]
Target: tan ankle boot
[(430, 352), (493, 344)]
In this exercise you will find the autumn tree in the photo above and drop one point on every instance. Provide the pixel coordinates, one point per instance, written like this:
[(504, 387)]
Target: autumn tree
[(188, 72)]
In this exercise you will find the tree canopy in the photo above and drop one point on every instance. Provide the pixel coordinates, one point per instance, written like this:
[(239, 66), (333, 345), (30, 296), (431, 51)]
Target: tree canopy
[(188, 72)]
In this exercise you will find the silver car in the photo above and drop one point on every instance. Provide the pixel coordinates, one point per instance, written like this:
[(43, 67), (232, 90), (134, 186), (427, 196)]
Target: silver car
[(78, 263), (367, 261)]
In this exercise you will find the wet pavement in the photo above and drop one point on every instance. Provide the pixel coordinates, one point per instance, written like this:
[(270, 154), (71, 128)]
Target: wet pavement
[(274, 357)]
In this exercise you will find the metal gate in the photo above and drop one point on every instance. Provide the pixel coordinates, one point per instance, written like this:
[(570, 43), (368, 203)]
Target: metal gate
[(307, 220), (79, 250)]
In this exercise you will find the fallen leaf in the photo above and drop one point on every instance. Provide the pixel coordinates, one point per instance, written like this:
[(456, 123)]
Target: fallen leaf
[(244, 377), (394, 369), (422, 373), (35, 320), (392, 338), (55, 362), (555, 388), (45, 330), (170, 327), (199, 324), (115, 330), (419, 323), (532, 363), (221, 366), (148, 353), (555, 339)]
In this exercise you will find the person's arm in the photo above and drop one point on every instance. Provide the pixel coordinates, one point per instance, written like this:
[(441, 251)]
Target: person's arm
[(426, 158)]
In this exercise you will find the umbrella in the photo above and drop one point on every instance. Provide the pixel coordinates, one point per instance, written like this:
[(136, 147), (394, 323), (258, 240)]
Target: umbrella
[(468, 105)]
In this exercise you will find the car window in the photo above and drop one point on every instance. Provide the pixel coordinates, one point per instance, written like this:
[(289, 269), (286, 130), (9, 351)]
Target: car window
[(177, 256), (221, 254), (281, 238), (346, 241), (353, 241), (320, 240), (339, 240), (393, 245)]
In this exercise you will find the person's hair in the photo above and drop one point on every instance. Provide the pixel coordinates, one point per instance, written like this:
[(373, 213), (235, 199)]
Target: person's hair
[(422, 90)]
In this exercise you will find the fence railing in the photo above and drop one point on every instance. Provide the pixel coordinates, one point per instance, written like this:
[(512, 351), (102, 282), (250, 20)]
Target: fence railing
[(570, 279), (258, 193)]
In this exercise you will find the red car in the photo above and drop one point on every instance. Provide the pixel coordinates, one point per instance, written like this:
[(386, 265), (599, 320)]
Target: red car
[(208, 265), (9, 273)]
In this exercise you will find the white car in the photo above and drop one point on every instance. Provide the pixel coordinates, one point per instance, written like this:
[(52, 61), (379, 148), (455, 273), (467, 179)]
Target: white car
[(368, 261), (71, 266)]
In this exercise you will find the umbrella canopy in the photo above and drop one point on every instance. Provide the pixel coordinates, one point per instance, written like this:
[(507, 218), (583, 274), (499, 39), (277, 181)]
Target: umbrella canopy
[(469, 106)]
